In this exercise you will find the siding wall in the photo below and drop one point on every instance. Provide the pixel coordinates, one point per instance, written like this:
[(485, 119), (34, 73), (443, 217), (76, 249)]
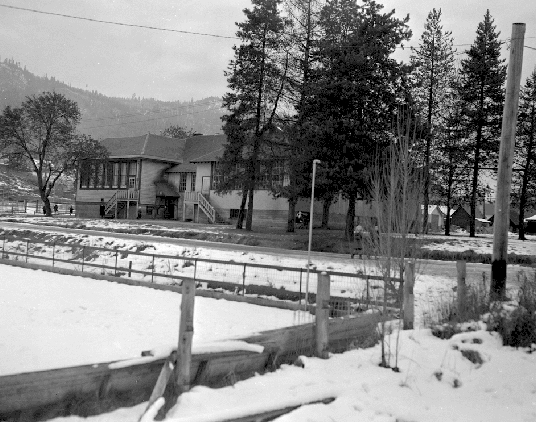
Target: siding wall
[(150, 172)]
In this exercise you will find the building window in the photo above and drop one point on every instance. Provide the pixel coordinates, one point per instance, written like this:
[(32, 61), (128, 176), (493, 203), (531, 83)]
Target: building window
[(219, 177), (115, 182), (123, 175), (182, 182), (99, 174), (109, 174), (278, 175), (192, 182), (234, 213)]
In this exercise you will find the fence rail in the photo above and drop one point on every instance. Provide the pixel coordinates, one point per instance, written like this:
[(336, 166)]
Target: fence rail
[(349, 291), (33, 207)]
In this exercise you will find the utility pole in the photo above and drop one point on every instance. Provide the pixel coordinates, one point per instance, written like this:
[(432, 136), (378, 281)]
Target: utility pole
[(506, 153)]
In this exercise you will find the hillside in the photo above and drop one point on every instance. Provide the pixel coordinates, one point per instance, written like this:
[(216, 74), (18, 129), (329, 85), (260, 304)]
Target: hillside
[(104, 116), (17, 185)]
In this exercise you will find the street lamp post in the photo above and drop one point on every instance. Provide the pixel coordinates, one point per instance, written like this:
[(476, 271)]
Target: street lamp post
[(315, 162)]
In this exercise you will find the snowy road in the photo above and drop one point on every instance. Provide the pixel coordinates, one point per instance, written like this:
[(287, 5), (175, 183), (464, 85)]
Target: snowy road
[(446, 269)]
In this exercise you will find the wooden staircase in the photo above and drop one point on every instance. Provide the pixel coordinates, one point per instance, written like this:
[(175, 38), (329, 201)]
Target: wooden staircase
[(208, 210), (120, 195), (111, 205)]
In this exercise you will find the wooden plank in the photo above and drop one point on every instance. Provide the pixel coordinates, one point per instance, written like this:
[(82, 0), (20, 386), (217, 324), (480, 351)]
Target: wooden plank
[(272, 414), (186, 333), (92, 389)]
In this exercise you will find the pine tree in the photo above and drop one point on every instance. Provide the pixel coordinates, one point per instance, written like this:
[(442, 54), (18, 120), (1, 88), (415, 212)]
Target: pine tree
[(450, 155), (303, 33), (256, 79), (355, 93), (433, 75), (526, 149), (483, 74)]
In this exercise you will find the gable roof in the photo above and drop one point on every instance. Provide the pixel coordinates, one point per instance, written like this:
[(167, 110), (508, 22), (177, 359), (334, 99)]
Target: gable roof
[(200, 149), (170, 150), (204, 148)]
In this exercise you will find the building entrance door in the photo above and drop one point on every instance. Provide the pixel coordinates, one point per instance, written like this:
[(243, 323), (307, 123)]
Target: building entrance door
[(205, 185)]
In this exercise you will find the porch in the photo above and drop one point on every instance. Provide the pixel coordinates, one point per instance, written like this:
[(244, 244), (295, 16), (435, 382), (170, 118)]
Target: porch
[(198, 200), (123, 204)]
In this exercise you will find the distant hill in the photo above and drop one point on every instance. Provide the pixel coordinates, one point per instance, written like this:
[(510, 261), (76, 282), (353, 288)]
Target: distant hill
[(103, 116), (19, 185)]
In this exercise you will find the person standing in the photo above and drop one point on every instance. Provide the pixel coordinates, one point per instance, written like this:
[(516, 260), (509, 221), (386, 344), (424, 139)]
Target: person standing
[(358, 239), (55, 208), (71, 209)]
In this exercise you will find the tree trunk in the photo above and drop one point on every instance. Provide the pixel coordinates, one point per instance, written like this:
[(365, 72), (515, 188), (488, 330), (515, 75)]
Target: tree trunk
[(449, 194), (525, 180), (475, 181), (242, 214), (46, 205), (249, 218), (291, 222), (350, 217), (326, 204), (428, 144)]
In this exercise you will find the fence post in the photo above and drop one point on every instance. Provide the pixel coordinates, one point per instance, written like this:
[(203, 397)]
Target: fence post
[(186, 333), (195, 267), (115, 268), (408, 307), (368, 291), (152, 271), (83, 256), (129, 268), (301, 274), (27, 243), (322, 315), (4, 246), (244, 281), (53, 253), (461, 269)]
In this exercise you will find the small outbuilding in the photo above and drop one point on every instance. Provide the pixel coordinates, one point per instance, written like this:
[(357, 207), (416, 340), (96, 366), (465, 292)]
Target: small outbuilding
[(514, 220)]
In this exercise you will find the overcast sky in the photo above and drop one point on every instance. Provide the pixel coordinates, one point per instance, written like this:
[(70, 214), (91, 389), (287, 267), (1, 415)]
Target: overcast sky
[(122, 61)]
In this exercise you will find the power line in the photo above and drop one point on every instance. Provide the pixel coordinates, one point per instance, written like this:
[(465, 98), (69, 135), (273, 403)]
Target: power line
[(115, 23)]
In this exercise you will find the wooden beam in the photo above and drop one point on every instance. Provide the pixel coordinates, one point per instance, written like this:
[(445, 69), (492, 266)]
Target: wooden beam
[(99, 388)]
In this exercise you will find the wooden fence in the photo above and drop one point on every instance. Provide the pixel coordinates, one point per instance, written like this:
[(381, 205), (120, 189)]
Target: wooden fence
[(351, 291), (98, 388)]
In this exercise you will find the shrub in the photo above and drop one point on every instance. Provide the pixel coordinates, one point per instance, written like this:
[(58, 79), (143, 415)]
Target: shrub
[(515, 321)]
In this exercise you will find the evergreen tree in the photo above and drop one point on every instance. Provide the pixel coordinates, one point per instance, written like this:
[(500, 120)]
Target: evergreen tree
[(256, 79), (356, 90), (483, 74), (433, 75), (304, 35), (526, 150), (450, 156)]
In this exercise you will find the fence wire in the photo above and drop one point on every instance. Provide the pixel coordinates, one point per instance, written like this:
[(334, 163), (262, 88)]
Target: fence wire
[(350, 293)]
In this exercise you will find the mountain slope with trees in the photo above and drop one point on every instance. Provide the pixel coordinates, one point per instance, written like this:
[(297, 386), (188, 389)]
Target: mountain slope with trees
[(103, 116)]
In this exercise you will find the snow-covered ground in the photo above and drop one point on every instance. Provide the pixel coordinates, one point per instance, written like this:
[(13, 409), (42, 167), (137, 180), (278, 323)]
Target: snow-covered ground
[(50, 320), (483, 244), (435, 383)]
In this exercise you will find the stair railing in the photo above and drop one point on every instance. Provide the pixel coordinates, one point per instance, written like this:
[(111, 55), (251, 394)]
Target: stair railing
[(206, 208)]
